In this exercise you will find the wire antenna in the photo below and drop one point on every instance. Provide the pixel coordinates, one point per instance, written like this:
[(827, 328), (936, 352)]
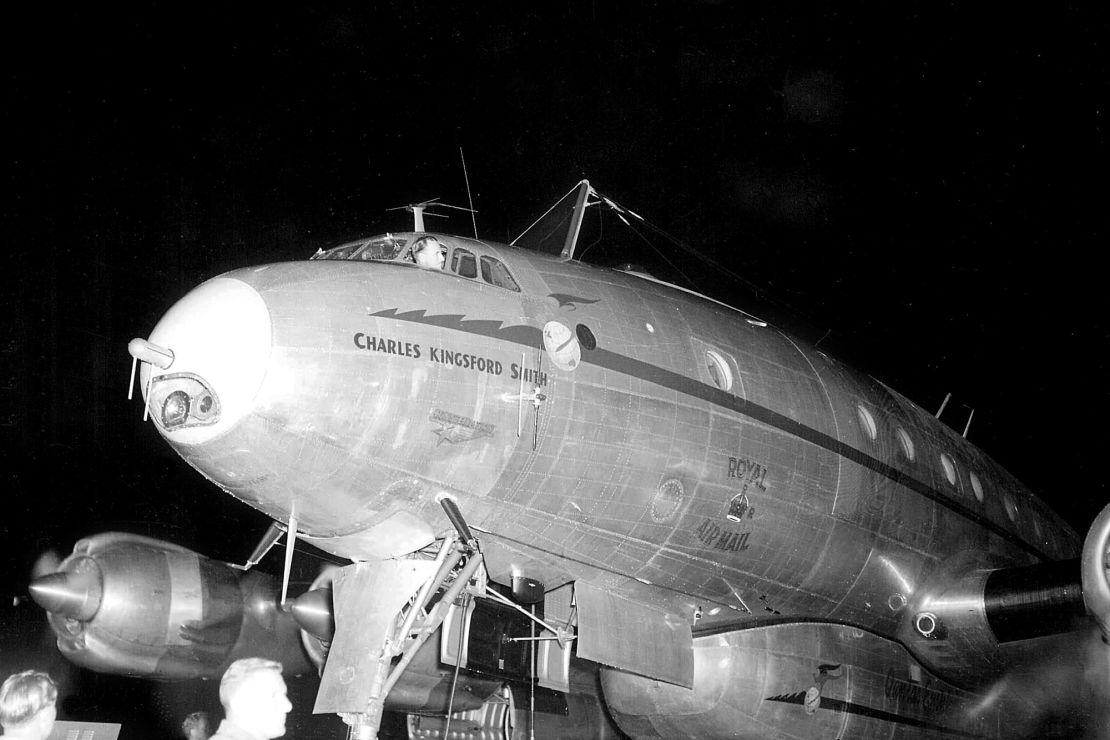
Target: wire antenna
[(469, 197), (420, 210)]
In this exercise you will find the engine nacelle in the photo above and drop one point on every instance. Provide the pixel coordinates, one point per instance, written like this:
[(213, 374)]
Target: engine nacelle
[(1096, 572), (971, 625), (136, 606), (805, 680)]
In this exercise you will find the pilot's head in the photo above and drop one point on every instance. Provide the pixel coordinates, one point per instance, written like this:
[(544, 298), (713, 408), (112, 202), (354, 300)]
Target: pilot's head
[(27, 705), (429, 252), (254, 697)]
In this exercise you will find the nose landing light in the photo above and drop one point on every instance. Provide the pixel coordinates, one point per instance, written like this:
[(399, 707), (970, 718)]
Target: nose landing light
[(183, 400), (175, 409)]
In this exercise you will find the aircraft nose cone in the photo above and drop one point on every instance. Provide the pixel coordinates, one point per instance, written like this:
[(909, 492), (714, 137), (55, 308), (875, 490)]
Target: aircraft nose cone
[(219, 338), (70, 594)]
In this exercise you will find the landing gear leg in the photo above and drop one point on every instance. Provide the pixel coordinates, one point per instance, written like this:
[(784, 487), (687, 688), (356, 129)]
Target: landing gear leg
[(367, 601)]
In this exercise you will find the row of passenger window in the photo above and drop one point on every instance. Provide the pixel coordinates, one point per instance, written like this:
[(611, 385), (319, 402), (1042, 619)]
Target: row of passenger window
[(720, 373), (947, 464)]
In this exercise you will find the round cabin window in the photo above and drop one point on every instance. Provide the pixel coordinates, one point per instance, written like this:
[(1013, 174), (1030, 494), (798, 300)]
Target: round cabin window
[(976, 487), (867, 422), (719, 370), (585, 337), (906, 441), (949, 468)]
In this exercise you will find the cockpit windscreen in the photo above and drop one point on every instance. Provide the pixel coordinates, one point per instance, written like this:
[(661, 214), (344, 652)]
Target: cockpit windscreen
[(375, 249)]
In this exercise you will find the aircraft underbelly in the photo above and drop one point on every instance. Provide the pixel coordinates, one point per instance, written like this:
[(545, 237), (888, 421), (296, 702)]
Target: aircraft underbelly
[(796, 681)]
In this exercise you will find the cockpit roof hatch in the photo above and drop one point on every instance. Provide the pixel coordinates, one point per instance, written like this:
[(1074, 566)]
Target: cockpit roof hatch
[(556, 231)]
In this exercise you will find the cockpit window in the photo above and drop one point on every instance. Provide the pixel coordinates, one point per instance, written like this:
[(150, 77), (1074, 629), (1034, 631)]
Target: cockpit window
[(389, 248), (380, 248), (464, 264), (342, 252), (494, 272)]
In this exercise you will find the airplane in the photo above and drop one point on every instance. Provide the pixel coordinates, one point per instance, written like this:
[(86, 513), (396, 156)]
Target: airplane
[(574, 501)]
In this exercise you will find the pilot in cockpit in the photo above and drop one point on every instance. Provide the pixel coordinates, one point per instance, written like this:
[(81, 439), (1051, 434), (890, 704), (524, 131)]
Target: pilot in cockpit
[(429, 253)]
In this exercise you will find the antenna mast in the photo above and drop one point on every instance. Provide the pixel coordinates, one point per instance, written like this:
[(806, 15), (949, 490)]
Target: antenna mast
[(419, 210), (473, 216), (418, 217), (943, 404)]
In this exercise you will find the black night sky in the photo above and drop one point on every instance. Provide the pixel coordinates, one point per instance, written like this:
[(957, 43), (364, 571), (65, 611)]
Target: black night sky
[(921, 187)]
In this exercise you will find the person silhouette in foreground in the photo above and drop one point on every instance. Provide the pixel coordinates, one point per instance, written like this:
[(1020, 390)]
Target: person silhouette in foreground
[(197, 726), (255, 703), (27, 706)]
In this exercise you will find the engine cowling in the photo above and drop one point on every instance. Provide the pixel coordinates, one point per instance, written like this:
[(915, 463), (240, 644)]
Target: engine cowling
[(137, 606), (973, 624), (1095, 564), (805, 679)]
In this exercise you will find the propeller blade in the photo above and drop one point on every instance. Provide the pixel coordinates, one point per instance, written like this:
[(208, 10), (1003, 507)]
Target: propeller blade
[(46, 564)]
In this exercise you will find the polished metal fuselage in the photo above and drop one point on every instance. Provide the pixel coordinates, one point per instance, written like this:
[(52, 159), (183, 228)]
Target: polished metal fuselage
[(783, 486)]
